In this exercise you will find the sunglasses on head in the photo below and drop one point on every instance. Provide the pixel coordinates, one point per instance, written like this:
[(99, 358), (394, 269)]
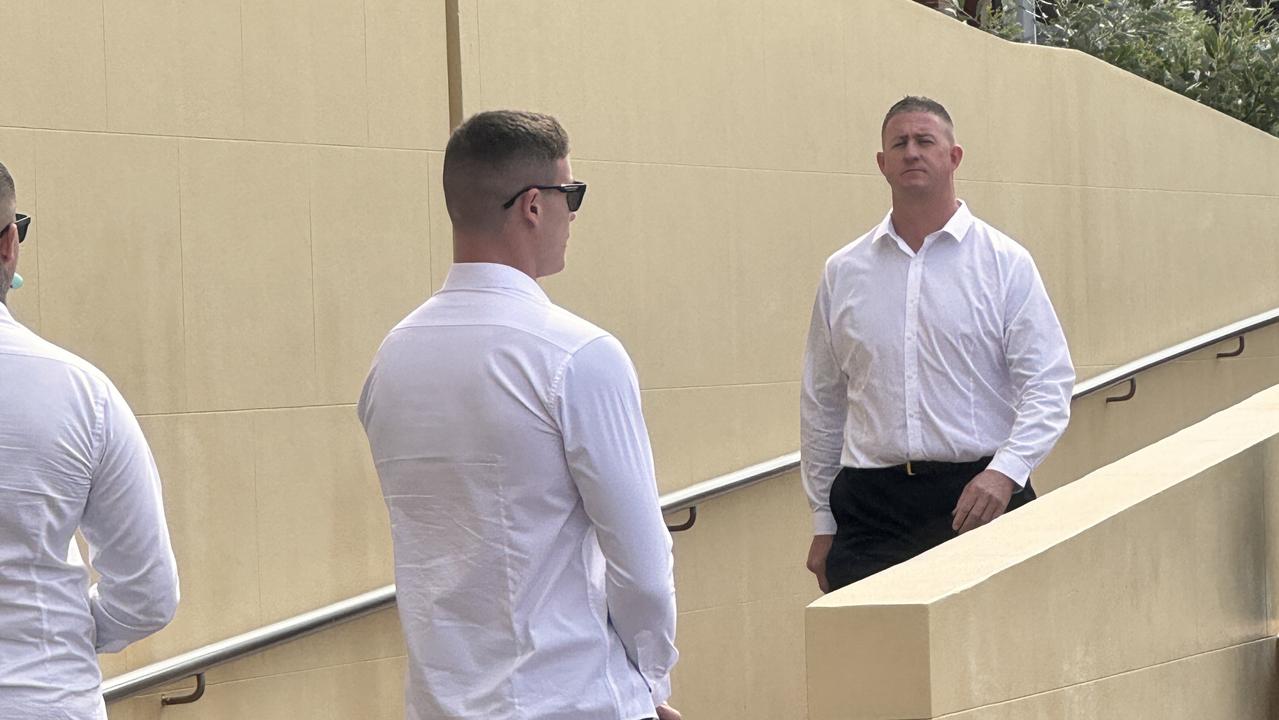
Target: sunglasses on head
[(23, 222), (574, 192)]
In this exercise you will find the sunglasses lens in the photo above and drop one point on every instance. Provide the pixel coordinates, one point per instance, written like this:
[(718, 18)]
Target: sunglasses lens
[(575, 198)]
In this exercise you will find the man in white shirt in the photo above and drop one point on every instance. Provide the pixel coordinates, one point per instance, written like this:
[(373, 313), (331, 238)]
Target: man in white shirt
[(71, 455), (936, 376), (532, 564)]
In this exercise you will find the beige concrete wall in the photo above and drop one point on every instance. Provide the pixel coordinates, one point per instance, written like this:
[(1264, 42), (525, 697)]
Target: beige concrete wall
[(235, 200), (1237, 682), (1100, 594), (232, 205), (730, 148)]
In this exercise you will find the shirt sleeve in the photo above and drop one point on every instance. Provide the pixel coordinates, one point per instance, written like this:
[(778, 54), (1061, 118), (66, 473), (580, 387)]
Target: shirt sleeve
[(823, 408), (1041, 371), (124, 527), (607, 448)]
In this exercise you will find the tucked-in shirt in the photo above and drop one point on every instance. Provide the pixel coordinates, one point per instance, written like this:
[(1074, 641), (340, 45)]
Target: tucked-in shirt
[(72, 455), (532, 565), (949, 354)]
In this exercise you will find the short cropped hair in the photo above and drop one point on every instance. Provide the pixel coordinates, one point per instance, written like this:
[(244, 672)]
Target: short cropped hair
[(917, 103), (8, 205), (494, 154), (8, 195)]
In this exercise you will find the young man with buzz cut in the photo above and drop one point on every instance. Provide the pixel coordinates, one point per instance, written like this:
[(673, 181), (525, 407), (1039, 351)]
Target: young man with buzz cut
[(72, 457), (533, 567)]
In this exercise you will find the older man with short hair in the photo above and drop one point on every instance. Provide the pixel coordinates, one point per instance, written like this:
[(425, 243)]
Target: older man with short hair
[(936, 377)]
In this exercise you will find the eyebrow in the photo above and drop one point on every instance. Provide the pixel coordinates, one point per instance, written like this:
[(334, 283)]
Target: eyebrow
[(917, 136)]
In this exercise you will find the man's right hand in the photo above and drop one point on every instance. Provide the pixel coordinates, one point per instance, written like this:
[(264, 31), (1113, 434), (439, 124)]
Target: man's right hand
[(666, 712), (817, 553)]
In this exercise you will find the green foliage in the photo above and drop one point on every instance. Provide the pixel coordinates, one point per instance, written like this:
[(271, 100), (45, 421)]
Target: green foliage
[(1231, 63)]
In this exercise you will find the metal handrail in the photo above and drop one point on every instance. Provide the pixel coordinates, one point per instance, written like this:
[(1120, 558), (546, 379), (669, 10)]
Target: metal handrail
[(1129, 371), (196, 662)]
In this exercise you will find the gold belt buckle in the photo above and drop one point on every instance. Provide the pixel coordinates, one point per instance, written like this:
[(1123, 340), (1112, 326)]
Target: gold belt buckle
[(909, 469)]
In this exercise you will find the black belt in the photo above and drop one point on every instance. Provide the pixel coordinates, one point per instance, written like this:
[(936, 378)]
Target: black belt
[(934, 467)]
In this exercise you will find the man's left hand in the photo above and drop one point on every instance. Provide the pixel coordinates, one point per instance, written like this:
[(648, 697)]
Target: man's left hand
[(985, 498)]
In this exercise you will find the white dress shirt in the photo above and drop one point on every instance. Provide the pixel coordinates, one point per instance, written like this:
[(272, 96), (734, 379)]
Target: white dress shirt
[(532, 564), (72, 455), (950, 354)]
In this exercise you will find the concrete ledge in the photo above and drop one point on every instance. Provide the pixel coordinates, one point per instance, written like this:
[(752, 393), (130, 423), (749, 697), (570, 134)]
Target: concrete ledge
[(1158, 557)]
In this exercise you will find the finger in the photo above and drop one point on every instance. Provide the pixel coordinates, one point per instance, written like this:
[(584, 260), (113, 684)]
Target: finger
[(973, 520), (994, 511), (966, 501)]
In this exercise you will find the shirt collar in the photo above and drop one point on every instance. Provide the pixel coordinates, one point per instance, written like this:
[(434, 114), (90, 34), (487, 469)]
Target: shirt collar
[(957, 227), (476, 276), (5, 315)]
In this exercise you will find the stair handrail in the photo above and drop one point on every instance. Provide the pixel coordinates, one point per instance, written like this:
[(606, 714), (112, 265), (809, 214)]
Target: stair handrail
[(195, 662)]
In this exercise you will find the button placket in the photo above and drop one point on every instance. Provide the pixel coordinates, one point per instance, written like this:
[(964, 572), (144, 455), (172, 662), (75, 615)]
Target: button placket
[(914, 279)]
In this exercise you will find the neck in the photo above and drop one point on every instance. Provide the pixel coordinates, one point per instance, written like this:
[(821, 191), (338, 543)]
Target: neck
[(471, 248), (916, 217)]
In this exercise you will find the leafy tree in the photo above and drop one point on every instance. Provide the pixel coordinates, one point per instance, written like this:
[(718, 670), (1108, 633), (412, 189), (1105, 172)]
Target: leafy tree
[(1222, 53)]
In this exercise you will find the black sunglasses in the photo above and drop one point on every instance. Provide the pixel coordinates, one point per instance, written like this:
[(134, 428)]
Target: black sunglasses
[(22, 221), (574, 192)]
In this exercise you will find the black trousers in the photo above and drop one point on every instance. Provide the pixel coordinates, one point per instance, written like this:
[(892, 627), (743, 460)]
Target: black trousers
[(885, 516)]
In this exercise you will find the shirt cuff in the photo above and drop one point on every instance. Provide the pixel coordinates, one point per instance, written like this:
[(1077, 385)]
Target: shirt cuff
[(1012, 466), (661, 690), (823, 522), (110, 635)]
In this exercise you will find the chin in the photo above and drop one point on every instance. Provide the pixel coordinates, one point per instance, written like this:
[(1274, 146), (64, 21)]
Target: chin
[(914, 187), (551, 269)]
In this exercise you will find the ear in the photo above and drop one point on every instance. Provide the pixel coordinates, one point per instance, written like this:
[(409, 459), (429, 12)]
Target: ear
[(9, 246), (531, 206), (879, 160), (956, 156)]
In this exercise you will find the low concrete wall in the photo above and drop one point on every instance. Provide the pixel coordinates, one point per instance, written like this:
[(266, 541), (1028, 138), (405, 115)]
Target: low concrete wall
[(1108, 593)]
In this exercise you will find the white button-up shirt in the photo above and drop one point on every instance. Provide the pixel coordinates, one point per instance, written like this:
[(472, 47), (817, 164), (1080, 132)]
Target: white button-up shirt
[(72, 455), (950, 354), (532, 564)]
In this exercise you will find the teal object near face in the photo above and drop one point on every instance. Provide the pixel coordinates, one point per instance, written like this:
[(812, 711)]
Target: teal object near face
[(17, 281)]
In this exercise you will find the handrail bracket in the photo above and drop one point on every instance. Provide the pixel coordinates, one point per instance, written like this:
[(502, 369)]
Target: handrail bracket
[(1132, 390), (190, 697), (687, 524), (1237, 351)]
